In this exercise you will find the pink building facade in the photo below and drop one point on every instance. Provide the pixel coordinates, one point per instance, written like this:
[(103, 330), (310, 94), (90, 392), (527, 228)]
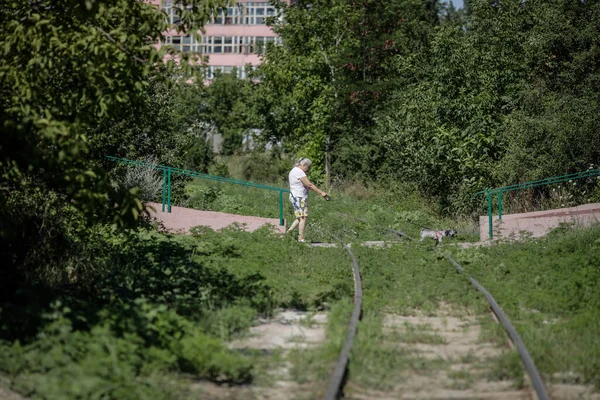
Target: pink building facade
[(230, 41)]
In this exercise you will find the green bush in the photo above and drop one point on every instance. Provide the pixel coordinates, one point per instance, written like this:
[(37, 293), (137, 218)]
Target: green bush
[(64, 363), (260, 167), (226, 323), (133, 353), (207, 357)]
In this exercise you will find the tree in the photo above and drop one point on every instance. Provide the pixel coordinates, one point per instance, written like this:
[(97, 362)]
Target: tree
[(298, 88), (554, 129), (383, 33), (66, 66), (441, 127), (228, 105), (322, 84)]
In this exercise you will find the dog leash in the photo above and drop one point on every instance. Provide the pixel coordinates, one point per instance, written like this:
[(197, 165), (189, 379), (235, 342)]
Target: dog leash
[(397, 232)]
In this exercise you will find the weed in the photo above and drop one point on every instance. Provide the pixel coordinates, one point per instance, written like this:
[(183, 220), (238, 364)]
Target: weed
[(313, 365), (146, 178), (508, 367), (461, 379), (418, 334), (468, 358), (308, 321)]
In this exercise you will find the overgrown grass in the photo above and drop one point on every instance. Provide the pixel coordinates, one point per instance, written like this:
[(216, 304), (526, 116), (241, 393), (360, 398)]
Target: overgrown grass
[(164, 305), (299, 277), (550, 289), (404, 279), (314, 366), (156, 308)]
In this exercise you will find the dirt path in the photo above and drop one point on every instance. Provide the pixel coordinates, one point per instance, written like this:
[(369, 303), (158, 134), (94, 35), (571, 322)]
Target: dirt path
[(288, 332), (452, 359), (6, 394), (460, 363), (447, 353)]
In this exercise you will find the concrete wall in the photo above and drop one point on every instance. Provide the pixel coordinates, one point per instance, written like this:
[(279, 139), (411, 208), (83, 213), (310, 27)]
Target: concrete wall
[(540, 222)]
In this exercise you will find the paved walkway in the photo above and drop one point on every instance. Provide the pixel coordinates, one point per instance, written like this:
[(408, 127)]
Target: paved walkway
[(539, 223), (181, 219)]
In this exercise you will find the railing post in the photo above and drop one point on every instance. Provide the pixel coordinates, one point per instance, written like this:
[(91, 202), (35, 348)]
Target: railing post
[(164, 190), (281, 208), (169, 190), (500, 205), (489, 200)]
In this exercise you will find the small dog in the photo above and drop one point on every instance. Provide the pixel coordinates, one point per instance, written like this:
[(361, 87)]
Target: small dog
[(436, 235)]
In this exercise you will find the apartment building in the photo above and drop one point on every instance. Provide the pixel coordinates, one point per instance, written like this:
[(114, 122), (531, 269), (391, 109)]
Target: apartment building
[(232, 39)]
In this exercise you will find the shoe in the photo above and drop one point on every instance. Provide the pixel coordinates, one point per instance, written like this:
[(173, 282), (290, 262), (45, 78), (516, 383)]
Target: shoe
[(301, 240)]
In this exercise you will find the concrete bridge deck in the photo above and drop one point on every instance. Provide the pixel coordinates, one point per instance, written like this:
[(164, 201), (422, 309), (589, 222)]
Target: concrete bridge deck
[(539, 223), (181, 219)]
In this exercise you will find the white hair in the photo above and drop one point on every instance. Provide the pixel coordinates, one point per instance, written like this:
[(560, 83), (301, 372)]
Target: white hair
[(304, 161)]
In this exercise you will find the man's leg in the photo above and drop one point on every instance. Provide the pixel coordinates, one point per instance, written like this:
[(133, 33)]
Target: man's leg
[(301, 227), (294, 225)]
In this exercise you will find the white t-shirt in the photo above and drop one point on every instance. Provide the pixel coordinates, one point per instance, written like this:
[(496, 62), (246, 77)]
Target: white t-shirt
[(297, 188)]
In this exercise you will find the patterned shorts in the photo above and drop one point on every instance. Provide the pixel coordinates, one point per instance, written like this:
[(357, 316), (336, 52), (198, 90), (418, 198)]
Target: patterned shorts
[(300, 206)]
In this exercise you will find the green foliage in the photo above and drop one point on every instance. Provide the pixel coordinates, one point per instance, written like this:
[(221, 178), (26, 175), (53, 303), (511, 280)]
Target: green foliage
[(319, 89), (172, 271), (202, 197), (152, 306), (133, 353), (68, 364), (67, 66), (268, 168), (227, 323), (208, 357), (228, 105), (453, 102), (297, 93), (508, 366), (298, 276), (80, 80), (553, 131), (506, 98)]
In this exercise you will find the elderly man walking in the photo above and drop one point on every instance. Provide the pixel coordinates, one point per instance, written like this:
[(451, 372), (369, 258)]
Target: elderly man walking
[(299, 187)]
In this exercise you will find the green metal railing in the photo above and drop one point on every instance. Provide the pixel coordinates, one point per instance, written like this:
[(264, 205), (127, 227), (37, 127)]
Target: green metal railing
[(167, 171), (528, 185)]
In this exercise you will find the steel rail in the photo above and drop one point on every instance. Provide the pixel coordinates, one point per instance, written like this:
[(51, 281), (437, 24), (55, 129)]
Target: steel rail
[(334, 390), (590, 173), (194, 173), (499, 191), (167, 171), (532, 370), (335, 385)]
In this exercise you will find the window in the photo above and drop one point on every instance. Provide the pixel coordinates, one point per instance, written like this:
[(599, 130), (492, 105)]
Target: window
[(228, 44), (241, 72), (221, 44), (242, 14), (184, 43)]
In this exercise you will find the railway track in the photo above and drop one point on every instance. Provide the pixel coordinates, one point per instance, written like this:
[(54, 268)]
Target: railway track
[(338, 378), (336, 383)]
